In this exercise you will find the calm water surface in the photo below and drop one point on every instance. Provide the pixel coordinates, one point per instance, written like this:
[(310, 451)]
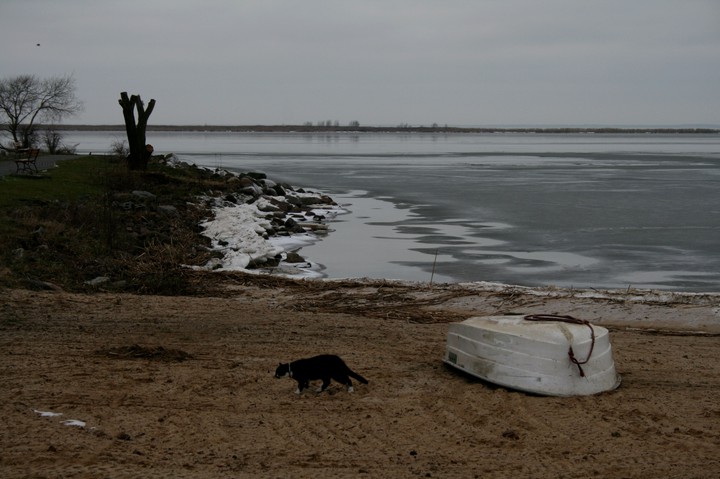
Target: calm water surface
[(605, 211)]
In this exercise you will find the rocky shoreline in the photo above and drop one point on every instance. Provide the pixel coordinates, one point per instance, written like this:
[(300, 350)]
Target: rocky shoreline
[(262, 224)]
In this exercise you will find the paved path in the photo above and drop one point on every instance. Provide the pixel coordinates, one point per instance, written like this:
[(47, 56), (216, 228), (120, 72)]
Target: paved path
[(44, 162)]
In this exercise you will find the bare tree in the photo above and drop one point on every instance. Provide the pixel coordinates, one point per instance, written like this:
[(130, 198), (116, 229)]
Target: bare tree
[(53, 142), (27, 100), (139, 151)]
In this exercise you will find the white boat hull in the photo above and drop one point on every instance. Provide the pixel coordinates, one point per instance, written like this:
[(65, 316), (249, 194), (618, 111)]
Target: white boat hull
[(532, 356)]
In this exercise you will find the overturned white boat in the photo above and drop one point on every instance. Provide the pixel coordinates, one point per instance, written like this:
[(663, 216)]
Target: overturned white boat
[(542, 354)]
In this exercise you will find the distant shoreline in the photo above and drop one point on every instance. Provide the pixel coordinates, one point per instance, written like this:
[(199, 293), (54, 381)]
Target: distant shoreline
[(385, 129)]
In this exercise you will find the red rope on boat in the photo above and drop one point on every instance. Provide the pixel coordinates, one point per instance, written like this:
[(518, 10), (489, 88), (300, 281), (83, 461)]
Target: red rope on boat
[(572, 320)]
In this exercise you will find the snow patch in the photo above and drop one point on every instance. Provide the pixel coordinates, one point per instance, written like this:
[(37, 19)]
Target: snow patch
[(240, 232)]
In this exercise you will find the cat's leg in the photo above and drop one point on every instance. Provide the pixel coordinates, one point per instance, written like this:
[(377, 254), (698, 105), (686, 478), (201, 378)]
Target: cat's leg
[(344, 379), (325, 384)]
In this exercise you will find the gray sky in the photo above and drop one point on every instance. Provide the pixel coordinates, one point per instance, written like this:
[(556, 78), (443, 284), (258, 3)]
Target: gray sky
[(379, 62)]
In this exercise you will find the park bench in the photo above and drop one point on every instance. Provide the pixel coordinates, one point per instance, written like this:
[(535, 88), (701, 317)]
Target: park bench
[(27, 163)]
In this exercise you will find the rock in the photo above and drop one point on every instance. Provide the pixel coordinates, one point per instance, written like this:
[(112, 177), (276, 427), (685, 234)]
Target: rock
[(143, 194), (168, 209), (44, 285), (309, 200), (281, 205), (246, 181), (272, 262), (252, 189), (268, 207), (293, 200), (293, 257), (276, 191), (98, 281), (257, 175)]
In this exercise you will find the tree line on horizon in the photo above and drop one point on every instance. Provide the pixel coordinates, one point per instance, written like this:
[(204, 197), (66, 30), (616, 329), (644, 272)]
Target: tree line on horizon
[(333, 127)]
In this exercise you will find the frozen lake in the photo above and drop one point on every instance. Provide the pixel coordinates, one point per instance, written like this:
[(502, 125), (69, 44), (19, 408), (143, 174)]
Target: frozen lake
[(582, 210)]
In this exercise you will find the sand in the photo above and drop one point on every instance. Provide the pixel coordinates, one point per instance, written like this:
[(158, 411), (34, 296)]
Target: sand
[(171, 387)]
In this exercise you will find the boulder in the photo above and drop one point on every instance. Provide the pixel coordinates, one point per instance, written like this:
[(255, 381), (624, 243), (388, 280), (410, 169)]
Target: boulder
[(293, 257), (143, 194)]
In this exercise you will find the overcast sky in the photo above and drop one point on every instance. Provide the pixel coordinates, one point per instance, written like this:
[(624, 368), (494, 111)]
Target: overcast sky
[(379, 62)]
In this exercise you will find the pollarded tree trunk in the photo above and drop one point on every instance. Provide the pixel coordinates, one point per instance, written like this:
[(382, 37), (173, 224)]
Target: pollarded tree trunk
[(139, 151)]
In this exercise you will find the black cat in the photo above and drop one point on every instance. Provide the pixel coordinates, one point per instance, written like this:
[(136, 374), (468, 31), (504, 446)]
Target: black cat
[(325, 367)]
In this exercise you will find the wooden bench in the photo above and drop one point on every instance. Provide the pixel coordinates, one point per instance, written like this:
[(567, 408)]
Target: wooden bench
[(27, 163)]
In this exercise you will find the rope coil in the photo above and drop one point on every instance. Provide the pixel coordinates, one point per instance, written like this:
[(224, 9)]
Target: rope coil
[(571, 320)]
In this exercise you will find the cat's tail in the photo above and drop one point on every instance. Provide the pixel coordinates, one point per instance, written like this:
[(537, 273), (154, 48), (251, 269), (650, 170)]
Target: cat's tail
[(355, 375)]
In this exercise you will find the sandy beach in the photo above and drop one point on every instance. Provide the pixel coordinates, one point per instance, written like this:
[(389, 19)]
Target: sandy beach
[(183, 386)]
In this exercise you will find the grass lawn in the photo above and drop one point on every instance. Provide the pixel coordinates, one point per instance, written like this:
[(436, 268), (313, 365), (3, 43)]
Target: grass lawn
[(70, 180)]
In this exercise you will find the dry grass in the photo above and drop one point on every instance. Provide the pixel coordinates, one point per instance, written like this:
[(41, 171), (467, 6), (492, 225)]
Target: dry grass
[(82, 221)]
